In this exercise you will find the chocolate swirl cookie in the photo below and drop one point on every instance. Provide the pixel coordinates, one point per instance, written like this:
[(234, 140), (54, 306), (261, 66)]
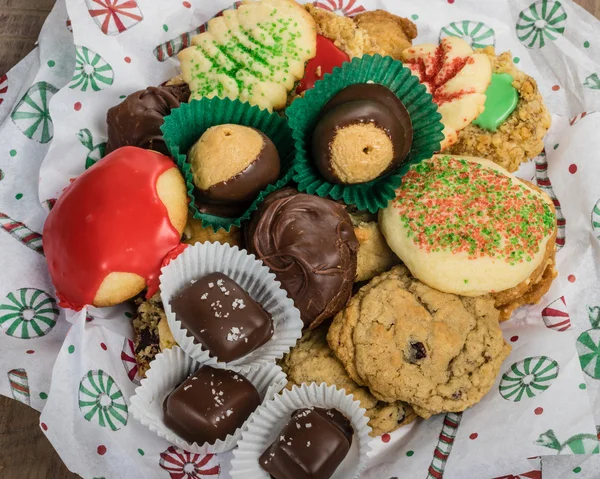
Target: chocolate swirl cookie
[(136, 121), (310, 245)]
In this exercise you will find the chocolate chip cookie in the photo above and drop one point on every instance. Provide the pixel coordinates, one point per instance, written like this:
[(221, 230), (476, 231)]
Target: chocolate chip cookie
[(408, 342), (312, 360)]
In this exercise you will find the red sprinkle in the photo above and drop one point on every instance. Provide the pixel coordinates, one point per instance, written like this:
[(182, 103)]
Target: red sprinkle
[(538, 410), (43, 426), (474, 436), (514, 339), (77, 106), (30, 351), (101, 450), (573, 168), (103, 346)]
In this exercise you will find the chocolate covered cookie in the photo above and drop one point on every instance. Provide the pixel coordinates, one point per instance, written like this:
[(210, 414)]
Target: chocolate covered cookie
[(136, 121), (363, 132), (310, 245)]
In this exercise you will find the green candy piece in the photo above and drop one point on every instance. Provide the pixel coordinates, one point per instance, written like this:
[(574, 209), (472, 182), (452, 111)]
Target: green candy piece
[(501, 100)]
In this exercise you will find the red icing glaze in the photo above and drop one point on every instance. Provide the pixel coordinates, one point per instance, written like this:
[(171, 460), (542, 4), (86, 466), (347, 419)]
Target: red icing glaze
[(110, 219), (154, 283), (328, 56), (439, 72)]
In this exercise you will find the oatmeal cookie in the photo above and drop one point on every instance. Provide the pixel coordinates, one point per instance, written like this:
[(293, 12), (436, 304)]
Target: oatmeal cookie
[(407, 342), (374, 254), (520, 137), (311, 360), (368, 33), (145, 328)]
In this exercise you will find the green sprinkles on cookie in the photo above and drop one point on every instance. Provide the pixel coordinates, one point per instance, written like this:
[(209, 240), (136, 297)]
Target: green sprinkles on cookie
[(450, 204)]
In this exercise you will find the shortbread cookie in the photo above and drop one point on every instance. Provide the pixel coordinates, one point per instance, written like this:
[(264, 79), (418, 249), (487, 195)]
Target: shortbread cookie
[(457, 78), (408, 342), (255, 53), (466, 226), (520, 137), (311, 360)]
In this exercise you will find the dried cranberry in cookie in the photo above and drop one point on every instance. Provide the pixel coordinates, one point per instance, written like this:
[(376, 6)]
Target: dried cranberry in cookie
[(222, 317), (107, 235), (456, 77), (466, 226), (210, 404)]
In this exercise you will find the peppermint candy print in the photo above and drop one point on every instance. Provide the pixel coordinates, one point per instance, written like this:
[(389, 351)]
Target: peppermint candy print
[(95, 151), (69, 25), (28, 313), (129, 362), (22, 233), (3, 87), (596, 219), (32, 115), (340, 7), (577, 118), (577, 444), (593, 82), (19, 385), (91, 71), (542, 21), (594, 316), (588, 348), (101, 400), (114, 16), (543, 181), (444, 445), (556, 316), (529, 377), (169, 49), (181, 464), (536, 474), (476, 34)]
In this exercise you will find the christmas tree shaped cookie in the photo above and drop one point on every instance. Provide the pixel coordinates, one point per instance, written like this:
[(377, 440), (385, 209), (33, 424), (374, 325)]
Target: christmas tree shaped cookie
[(255, 53)]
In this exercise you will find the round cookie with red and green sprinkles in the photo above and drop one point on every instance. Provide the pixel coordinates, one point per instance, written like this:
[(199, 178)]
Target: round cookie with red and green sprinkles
[(466, 226)]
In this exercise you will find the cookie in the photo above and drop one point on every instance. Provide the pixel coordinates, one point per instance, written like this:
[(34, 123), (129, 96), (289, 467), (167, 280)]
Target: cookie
[(146, 331), (520, 137), (466, 226), (368, 33), (194, 233), (457, 78), (407, 342), (374, 254), (255, 53), (108, 233), (312, 360)]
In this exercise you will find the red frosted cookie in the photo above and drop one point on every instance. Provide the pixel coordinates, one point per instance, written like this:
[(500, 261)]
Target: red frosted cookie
[(107, 235)]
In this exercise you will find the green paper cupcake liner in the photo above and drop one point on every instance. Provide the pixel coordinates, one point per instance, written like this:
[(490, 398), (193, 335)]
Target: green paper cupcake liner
[(303, 113), (186, 124)]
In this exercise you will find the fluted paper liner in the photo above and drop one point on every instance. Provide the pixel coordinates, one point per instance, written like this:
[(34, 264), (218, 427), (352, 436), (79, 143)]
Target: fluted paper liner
[(254, 277), (270, 418), (186, 124), (304, 112), (169, 370)]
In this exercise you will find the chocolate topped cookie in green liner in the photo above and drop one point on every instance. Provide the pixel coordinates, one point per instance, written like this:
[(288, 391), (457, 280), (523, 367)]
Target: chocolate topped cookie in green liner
[(304, 113), (186, 124)]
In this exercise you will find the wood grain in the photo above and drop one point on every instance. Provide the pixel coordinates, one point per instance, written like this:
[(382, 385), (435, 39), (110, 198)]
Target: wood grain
[(25, 453)]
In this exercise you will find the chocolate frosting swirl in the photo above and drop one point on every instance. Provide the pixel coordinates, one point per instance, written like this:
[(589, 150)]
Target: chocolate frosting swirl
[(310, 245), (136, 121)]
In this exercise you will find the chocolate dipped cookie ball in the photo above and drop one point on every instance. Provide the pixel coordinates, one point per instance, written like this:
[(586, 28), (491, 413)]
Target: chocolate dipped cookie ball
[(310, 245), (363, 133), (136, 121), (231, 164)]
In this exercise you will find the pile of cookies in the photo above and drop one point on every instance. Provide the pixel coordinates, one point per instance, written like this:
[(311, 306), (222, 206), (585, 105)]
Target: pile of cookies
[(400, 303)]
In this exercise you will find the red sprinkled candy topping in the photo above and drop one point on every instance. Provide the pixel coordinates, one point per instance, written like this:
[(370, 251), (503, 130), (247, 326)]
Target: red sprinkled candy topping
[(327, 57), (465, 207), (110, 219)]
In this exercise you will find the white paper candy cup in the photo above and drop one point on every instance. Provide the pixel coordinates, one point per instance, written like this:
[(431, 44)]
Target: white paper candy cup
[(254, 277), (169, 370), (269, 419)]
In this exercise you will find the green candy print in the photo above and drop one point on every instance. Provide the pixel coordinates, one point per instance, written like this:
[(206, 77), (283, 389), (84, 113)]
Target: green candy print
[(28, 313), (577, 444), (91, 71), (476, 34), (542, 21), (592, 82), (588, 348), (528, 378), (596, 219), (32, 114), (96, 151), (501, 99), (101, 401)]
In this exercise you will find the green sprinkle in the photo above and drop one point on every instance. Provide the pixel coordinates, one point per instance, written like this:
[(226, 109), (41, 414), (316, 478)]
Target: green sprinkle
[(122, 97), (466, 281), (12, 153), (71, 349), (555, 146), (577, 470), (410, 453), (19, 196), (51, 63), (414, 16), (165, 27), (516, 59), (43, 396), (141, 452)]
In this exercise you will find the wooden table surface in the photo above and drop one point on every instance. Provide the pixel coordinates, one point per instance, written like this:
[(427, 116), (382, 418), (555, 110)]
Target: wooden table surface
[(25, 453)]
